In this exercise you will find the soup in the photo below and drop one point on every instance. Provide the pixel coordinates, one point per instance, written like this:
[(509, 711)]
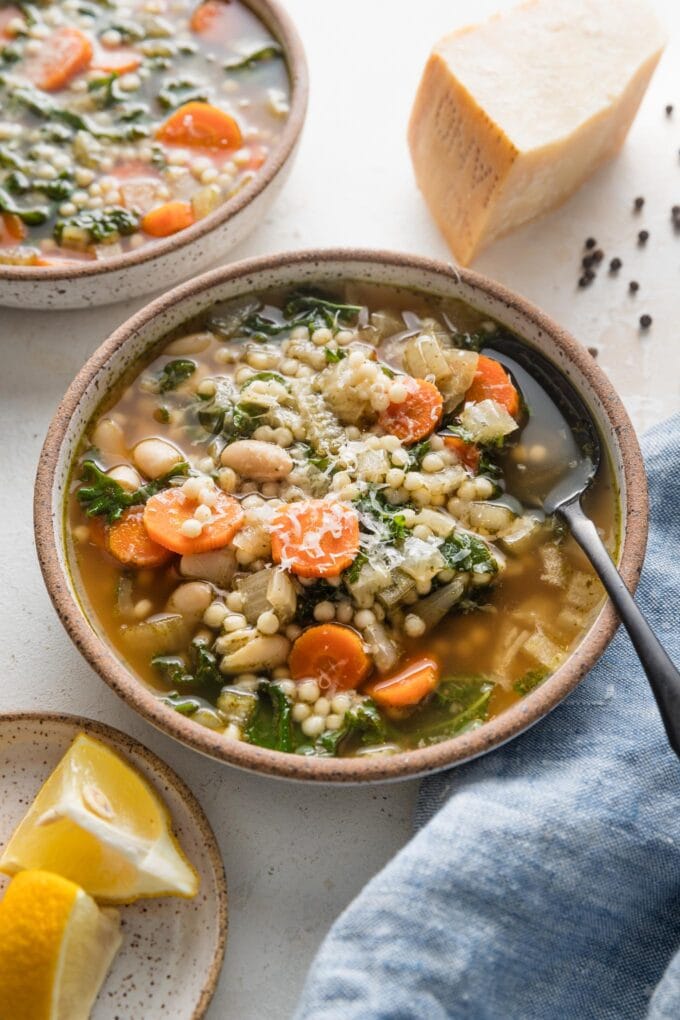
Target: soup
[(127, 121), (308, 523)]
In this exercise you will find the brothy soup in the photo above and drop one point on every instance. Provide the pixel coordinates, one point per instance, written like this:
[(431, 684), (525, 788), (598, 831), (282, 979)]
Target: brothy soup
[(307, 523), (127, 121)]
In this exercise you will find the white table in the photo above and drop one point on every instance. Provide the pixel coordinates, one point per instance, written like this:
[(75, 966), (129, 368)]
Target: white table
[(295, 855)]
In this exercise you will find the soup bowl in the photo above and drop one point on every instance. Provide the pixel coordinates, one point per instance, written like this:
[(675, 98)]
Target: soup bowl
[(163, 263), (115, 360)]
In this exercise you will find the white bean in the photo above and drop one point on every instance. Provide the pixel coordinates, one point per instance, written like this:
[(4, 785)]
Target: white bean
[(108, 436), (260, 653), (252, 458), (191, 599), (155, 457)]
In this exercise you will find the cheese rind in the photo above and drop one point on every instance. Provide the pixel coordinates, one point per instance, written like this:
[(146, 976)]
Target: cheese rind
[(512, 116)]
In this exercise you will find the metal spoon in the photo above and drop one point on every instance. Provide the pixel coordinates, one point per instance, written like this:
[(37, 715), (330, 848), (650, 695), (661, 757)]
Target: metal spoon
[(571, 468)]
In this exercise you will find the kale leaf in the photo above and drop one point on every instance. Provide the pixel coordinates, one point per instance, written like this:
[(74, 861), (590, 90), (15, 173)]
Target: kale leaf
[(103, 496), (271, 723), (466, 699), (530, 680), (101, 225), (362, 721), (333, 357), (465, 552), (271, 52), (174, 374), (388, 521)]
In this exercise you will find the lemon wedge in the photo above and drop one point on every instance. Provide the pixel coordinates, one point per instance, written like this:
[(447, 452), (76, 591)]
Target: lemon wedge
[(98, 823), (57, 946)]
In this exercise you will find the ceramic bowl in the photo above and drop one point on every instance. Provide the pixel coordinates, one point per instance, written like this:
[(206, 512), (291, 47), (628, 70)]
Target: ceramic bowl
[(130, 342), (164, 263), (172, 951)]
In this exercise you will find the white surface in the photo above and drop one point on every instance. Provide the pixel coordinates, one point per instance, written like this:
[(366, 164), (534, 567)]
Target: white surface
[(295, 855)]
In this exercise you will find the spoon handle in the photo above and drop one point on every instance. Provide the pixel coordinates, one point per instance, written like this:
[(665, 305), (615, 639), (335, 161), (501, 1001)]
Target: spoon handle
[(664, 678)]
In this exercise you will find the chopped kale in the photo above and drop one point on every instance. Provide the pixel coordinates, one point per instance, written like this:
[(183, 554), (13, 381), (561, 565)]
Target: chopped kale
[(201, 670), (184, 90), (102, 496), (102, 226), (333, 357), (417, 452), (361, 722), (352, 572), (466, 552), (33, 217), (174, 374), (38, 103), (264, 377), (388, 521), (465, 699), (246, 63), (106, 90), (530, 680), (311, 595), (271, 723), (182, 703)]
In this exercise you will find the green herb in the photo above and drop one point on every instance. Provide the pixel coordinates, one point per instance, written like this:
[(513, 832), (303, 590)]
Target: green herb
[(466, 699), (128, 29), (31, 217), (185, 90), (102, 496), (300, 310), (386, 370), (417, 452), (530, 680), (309, 597), (230, 322), (471, 341), (388, 521), (200, 671), (271, 52), (352, 572), (102, 226), (39, 104), (59, 189), (108, 93), (173, 670), (264, 377), (362, 722), (460, 433), (246, 418), (10, 54), (174, 374), (271, 723), (466, 552), (182, 703), (333, 357), (489, 467)]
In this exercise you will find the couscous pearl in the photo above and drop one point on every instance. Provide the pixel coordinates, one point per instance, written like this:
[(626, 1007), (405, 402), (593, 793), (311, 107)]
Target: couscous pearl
[(287, 687), (202, 513), (422, 531), (324, 612), (300, 711), (395, 478), (313, 726), (192, 487), (398, 393), (207, 496), (344, 612), (364, 618), (436, 443), (191, 528), (253, 502), (308, 691), (232, 732), (235, 601), (321, 337), (344, 336), (413, 481), (340, 703), (67, 209), (215, 614), (293, 631), (333, 722), (234, 621), (268, 622), (81, 533), (414, 626), (143, 609), (432, 462), (485, 488), (322, 707), (468, 490), (227, 480), (270, 489), (400, 458)]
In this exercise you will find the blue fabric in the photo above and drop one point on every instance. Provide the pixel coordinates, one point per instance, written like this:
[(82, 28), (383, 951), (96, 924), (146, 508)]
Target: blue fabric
[(544, 880)]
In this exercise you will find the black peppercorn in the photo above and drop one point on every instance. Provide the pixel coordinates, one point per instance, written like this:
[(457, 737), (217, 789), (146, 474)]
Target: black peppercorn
[(669, 109), (643, 236), (633, 286), (645, 321), (639, 201), (590, 242), (615, 265), (598, 255)]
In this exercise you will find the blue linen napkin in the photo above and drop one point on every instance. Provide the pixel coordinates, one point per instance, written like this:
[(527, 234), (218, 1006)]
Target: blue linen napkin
[(544, 880)]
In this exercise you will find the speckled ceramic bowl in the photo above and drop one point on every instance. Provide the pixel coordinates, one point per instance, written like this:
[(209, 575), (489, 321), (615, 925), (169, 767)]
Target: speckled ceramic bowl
[(164, 263), (130, 342), (172, 951)]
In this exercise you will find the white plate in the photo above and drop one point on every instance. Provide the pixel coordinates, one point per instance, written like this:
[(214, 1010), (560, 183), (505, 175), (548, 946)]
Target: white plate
[(172, 951)]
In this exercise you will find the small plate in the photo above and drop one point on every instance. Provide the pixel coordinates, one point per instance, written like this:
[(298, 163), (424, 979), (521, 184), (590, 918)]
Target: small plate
[(172, 949)]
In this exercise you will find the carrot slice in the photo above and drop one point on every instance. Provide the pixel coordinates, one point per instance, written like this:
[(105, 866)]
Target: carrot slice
[(467, 453), (66, 53), (11, 229), (116, 61), (492, 382), (419, 414), (207, 16), (168, 219), (315, 538), (410, 685), (166, 512), (332, 655), (128, 540), (200, 126)]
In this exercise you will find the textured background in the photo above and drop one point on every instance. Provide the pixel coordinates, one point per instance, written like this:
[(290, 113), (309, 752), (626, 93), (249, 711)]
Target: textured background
[(295, 855)]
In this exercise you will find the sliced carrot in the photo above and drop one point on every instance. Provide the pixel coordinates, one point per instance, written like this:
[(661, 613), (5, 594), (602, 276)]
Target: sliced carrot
[(315, 538), (66, 53), (418, 415), (207, 16), (11, 229), (332, 655), (116, 61), (467, 453), (168, 219), (98, 532), (166, 512), (492, 382), (409, 686), (200, 126), (128, 540)]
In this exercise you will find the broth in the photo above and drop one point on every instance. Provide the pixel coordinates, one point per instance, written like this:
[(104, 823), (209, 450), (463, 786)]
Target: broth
[(524, 593)]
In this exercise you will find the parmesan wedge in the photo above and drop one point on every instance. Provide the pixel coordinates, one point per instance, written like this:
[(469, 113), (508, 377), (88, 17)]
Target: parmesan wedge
[(513, 115)]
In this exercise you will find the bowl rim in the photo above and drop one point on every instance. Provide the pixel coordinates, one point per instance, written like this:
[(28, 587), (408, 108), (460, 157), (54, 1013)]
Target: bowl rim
[(164, 773), (404, 764), (279, 22)]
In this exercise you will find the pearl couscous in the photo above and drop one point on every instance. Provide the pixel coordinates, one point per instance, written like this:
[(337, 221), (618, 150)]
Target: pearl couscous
[(307, 523)]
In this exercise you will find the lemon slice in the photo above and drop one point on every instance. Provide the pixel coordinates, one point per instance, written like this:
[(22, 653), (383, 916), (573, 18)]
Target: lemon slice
[(98, 823), (57, 947)]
